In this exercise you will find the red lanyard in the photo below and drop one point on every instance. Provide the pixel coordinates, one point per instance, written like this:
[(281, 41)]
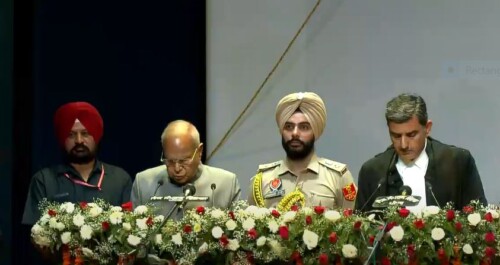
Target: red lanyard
[(83, 183)]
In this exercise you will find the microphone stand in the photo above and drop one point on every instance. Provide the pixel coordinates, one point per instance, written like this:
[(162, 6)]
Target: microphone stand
[(376, 242)]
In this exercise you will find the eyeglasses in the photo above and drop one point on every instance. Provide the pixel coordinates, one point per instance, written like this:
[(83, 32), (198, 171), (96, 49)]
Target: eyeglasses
[(181, 162)]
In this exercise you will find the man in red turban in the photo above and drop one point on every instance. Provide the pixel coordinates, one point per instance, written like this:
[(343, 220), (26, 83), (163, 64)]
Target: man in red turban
[(82, 178)]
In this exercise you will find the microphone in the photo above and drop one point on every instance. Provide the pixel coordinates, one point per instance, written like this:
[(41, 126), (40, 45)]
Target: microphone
[(213, 186), (188, 189), (429, 186), (376, 243), (392, 166), (380, 183), (405, 190), (160, 183)]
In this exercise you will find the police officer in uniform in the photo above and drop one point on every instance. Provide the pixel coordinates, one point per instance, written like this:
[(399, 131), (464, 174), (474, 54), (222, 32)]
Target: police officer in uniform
[(302, 178)]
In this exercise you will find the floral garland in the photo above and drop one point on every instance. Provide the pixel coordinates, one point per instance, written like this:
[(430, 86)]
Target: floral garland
[(293, 198), (257, 190)]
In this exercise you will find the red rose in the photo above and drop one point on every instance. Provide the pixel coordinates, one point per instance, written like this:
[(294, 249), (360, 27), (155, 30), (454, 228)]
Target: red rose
[(489, 251), (187, 229), (371, 239), (347, 212), (323, 259), (250, 257), (52, 213), (450, 215), (489, 237), (390, 226), (441, 253), (403, 212), (105, 226), (149, 222), (468, 209), (283, 232), (488, 217), (333, 238), (231, 215), (83, 205), (419, 224), (410, 250), (319, 210), (200, 210), (223, 241), (386, 261), (252, 233), (458, 226), (275, 213), (295, 255), (294, 208), (309, 220), (357, 225), (127, 207)]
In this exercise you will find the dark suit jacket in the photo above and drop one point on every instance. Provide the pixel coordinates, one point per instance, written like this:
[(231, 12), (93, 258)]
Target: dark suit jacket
[(451, 174)]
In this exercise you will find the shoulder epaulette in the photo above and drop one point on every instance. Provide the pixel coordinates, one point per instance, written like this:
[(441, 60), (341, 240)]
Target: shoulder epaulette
[(268, 166), (339, 167)]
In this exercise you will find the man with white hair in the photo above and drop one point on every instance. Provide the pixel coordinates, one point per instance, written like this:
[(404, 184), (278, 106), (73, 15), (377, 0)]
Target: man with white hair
[(302, 178)]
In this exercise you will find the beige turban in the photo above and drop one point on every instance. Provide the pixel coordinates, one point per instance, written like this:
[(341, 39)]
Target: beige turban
[(309, 103)]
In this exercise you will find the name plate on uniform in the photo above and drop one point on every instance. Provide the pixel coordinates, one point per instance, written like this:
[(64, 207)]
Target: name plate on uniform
[(179, 198)]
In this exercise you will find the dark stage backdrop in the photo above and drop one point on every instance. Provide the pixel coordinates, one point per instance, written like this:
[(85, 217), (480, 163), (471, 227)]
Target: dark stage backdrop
[(142, 64)]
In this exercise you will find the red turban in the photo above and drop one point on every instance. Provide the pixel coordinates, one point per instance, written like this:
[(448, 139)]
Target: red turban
[(66, 115)]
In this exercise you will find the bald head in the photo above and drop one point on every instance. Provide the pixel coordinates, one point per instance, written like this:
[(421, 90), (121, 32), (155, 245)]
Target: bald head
[(182, 131)]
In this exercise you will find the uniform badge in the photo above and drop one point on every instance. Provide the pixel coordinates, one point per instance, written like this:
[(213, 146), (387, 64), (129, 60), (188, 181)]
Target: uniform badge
[(349, 192), (275, 189)]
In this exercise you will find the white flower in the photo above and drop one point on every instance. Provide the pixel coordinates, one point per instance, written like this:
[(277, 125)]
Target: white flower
[(203, 248), (273, 226), (289, 216), (127, 226), (87, 252), (45, 218), (36, 229), (217, 213), (233, 244), (371, 217), (494, 213), (310, 239), (397, 233), (261, 241), (86, 232), (332, 215), (68, 207), (350, 251), (53, 222), (474, 219), (251, 209), (116, 217), (95, 211), (177, 239), (158, 239), (307, 210), (261, 213), (133, 240), (116, 209), (467, 249), (78, 220), (248, 224), (437, 233), (92, 204), (231, 225), (275, 246), (66, 237), (60, 226), (141, 209), (159, 218), (42, 240), (430, 210), (141, 223), (217, 232)]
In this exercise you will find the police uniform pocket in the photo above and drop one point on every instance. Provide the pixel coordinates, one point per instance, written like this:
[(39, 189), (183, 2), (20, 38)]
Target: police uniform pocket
[(317, 198)]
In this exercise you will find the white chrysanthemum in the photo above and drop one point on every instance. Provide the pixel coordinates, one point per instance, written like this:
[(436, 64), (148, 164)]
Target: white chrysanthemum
[(141, 223), (261, 213), (116, 217), (397, 233), (307, 210), (233, 244), (78, 220), (87, 252), (310, 239), (289, 216), (42, 240), (231, 225), (127, 226), (251, 209), (158, 239), (177, 239), (86, 232), (430, 210), (261, 241), (437, 233), (332, 215), (371, 217), (92, 204), (197, 227), (273, 226), (36, 229), (60, 226), (350, 251), (66, 237), (248, 224), (467, 248), (203, 248), (217, 232), (159, 218), (53, 223), (217, 213), (142, 234), (275, 246), (116, 209), (494, 213), (474, 219), (45, 218), (68, 207), (141, 209), (95, 211), (133, 240)]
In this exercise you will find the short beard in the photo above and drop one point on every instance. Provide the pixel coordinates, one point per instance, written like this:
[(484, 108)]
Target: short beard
[(80, 158), (294, 155)]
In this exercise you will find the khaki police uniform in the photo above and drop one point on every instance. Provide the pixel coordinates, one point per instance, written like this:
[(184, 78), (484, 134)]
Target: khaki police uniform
[(324, 182)]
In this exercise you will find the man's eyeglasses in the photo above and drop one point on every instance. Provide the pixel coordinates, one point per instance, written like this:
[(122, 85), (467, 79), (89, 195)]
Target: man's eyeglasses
[(181, 162)]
